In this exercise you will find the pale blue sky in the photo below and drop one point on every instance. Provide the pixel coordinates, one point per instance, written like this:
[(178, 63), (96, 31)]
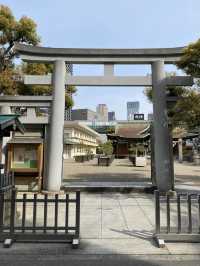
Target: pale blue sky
[(112, 24)]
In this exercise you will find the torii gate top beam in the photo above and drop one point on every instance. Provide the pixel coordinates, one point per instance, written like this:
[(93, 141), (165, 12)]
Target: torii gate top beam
[(98, 56)]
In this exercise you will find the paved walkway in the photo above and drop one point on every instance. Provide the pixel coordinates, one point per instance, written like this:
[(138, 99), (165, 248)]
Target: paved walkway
[(114, 223)]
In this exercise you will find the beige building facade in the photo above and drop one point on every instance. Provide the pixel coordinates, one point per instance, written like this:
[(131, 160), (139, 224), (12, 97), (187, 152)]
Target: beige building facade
[(79, 139)]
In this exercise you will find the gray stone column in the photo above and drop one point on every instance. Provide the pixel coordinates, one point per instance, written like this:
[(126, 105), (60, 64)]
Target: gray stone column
[(55, 142), (161, 129)]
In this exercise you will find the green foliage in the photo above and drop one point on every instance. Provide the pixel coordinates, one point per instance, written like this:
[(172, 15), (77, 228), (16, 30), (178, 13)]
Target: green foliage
[(110, 130), (68, 101), (187, 110), (170, 91), (23, 31), (137, 149), (105, 148), (7, 83), (37, 68), (190, 62)]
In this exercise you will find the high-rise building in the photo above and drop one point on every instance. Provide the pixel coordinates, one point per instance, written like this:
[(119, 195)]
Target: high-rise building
[(68, 111), (132, 108), (111, 116), (102, 112), (83, 114)]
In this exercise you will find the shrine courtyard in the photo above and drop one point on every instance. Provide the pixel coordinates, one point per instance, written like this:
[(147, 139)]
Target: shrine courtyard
[(121, 173)]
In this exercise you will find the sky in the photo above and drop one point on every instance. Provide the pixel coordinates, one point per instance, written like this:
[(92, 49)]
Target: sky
[(112, 24)]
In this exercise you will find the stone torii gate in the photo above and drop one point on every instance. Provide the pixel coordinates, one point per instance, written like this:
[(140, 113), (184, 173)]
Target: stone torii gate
[(157, 58)]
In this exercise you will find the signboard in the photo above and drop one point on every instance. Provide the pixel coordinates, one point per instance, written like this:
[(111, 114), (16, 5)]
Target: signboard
[(24, 156), (138, 116)]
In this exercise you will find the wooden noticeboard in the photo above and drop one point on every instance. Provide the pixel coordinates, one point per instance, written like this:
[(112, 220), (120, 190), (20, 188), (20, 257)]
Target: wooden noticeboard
[(26, 158)]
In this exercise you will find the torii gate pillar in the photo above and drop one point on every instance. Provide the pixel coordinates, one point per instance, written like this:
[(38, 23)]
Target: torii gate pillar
[(55, 142), (163, 162)]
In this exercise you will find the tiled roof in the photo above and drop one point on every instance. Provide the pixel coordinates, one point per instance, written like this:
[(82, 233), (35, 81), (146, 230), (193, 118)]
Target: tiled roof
[(7, 121), (133, 130)]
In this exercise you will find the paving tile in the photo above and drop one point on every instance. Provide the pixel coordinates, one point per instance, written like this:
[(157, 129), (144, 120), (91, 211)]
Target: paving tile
[(109, 202), (137, 221), (90, 223), (128, 200), (113, 223), (183, 248)]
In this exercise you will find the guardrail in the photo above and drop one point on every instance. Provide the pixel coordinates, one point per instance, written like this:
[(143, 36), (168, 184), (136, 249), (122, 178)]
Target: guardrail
[(177, 217), (40, 218)]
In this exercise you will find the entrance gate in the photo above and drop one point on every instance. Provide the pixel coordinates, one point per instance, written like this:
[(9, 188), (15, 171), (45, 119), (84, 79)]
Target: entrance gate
[(157, 58)]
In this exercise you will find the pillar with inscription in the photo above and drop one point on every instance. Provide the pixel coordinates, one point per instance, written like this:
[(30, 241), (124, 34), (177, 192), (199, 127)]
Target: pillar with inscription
[(163, 161), (55, 142)]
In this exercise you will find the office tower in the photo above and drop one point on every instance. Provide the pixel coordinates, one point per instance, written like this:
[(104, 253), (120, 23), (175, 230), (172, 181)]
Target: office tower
[(132, 108), (83, 114), (102, 112), (111, 116)]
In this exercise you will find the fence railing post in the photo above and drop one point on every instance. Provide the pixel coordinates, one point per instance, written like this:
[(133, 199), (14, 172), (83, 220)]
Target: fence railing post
[(168, 213), (56, 214), (23, 213), (157, 211), (77, 213), (34, 212), (1, 212), (45, 212), (179, 212), (66, 213), (189, 213), (12, 213)]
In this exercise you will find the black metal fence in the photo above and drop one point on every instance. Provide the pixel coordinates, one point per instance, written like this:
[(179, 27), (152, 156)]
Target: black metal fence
[(177, 217), (39, 218), (6, 181)]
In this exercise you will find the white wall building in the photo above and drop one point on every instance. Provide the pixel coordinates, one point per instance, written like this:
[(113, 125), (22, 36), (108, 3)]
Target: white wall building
[(79, 139)]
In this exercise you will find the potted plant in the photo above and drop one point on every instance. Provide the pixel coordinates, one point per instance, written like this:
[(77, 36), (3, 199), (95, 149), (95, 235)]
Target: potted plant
[(106, 154)]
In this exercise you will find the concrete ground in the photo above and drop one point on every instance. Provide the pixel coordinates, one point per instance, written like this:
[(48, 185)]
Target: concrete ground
[(119, 170), (122, 173), (102, 260)]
